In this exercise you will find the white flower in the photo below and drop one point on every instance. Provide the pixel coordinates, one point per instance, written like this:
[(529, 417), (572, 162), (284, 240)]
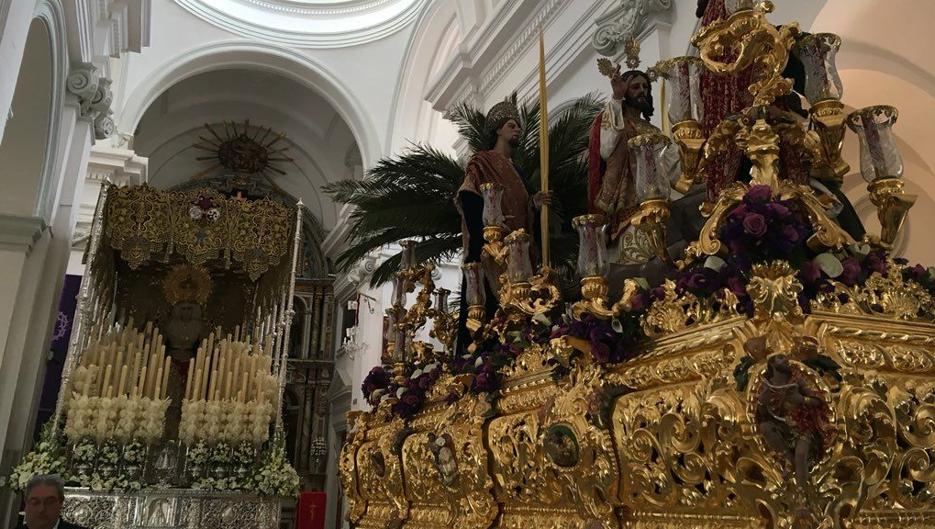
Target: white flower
[(195, 212)]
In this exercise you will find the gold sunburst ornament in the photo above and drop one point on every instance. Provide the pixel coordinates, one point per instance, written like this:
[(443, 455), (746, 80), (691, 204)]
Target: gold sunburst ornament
[(243, 149), (187, 283)]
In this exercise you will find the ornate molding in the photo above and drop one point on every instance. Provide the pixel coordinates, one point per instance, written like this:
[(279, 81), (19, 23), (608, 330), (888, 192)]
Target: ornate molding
[(521, 43), (20, 233), (308, 25), (627, 21)]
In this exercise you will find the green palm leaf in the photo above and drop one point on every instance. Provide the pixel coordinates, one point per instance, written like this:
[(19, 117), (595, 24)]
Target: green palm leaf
[(410, 196)]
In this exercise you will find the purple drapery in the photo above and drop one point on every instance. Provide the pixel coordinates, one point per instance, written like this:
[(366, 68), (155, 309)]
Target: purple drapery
[(61, 335)]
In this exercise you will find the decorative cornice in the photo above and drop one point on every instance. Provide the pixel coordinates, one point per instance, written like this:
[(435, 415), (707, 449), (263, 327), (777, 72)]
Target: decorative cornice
[(522, 43), (308, 26), (625, 22), (465, 79), (120, 25), (19, 233)]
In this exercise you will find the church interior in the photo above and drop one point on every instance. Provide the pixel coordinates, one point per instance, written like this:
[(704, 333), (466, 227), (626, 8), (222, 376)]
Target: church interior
[(425, 264)]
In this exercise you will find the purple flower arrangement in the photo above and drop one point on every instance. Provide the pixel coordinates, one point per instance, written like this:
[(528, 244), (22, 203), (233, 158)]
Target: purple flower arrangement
[(760, 229), (376, 384), (409, 396)]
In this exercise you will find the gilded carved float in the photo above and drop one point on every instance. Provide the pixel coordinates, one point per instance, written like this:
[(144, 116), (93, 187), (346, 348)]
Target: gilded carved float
[(795, 407)]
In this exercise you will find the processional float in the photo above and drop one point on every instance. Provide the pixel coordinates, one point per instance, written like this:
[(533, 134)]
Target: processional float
[(169, 409), (783, 377)]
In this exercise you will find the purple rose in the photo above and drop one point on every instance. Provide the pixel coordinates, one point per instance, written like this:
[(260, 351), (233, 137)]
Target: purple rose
[(810, 273), (639, 301), (851, 272), (759, 194), (777, 210), (411, 399), (918, 272), (737, 285), (657, 293), (754, 224), (739, 212), (876, 262), (600, 351), (425, 382), (790, 234), (693, 280)]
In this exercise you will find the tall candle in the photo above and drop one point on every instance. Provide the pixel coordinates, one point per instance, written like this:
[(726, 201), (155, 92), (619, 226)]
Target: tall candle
[(167, 367), (227, 385), (140, 388), (123, 380), (543, 150), (107, 376), (154, 387), (196, 391), (188, 381)]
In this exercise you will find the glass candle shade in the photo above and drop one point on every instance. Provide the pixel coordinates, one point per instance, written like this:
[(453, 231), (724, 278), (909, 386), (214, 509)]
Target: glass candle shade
[(817, 53), (518, 264), (732, 6), (879, 155), (652, 182), (683, 88), (493, 204), (389, 334), (592, 247), (474, 284), (399, 291), (441, 299), (408, 256), (400, 345)]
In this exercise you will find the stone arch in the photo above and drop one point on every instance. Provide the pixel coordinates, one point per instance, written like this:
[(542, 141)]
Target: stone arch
[(261, 56), (436, 37), (31, 151)]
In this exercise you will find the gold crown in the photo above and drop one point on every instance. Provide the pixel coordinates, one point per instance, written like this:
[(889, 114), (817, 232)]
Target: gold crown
[(500, 114), (631, 49)]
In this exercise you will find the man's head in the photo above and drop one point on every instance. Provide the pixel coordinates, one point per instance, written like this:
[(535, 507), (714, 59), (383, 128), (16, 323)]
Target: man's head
[(639, 94), (778, 364), (44, 497), (503, 122)]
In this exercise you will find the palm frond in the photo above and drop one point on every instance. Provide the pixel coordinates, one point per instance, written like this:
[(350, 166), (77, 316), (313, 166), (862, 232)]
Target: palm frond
[(410, 196), (471, 123)]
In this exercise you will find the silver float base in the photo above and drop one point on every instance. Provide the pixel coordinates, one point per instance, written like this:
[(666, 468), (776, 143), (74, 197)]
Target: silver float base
[(170, 509)]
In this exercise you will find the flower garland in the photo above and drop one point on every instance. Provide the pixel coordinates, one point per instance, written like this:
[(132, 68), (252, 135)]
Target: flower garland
[(761, 228), (47, 457), (275, 476)]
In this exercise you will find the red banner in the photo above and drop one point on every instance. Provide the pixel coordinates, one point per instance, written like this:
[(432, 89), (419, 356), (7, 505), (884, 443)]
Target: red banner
[(311, 510)]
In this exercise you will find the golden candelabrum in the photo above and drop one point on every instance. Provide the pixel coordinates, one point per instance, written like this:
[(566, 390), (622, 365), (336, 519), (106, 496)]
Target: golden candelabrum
[(882, 167), (520, 289), (444, 323), (683, 92), (494, 222), (431, 302)]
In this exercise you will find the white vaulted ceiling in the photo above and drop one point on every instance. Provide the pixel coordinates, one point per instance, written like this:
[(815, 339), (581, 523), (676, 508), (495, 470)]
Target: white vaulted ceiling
[(308, 23), (319, 141)]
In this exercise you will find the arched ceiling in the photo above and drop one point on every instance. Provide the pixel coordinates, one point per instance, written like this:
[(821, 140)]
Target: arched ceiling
[(317, 140), (308, 23)]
